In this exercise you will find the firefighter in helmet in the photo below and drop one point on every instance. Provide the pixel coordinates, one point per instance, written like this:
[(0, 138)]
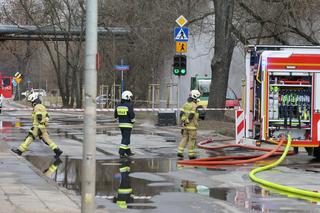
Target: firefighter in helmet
[(189, 121), (125, 114), (40, 119)]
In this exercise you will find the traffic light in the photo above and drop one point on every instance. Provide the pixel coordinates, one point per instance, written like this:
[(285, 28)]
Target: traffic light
[(180, 65)]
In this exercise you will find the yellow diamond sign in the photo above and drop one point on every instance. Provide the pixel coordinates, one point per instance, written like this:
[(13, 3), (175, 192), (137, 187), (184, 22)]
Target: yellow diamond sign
[(181, 21)]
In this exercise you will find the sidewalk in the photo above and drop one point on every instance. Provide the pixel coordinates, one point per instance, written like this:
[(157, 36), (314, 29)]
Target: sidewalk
[(23, 189)]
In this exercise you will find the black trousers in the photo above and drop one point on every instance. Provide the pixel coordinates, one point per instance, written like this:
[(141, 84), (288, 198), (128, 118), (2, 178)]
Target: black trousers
[(126, 134)]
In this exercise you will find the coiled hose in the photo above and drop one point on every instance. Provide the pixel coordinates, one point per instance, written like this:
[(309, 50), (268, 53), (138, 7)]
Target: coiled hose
[(216, 162)]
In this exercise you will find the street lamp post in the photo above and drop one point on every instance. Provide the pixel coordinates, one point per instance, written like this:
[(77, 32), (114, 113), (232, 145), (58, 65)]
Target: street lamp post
[(89, 142)]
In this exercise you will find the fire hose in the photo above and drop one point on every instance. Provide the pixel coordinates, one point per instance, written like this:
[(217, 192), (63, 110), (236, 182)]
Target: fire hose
[(294, 192), (214, 162)]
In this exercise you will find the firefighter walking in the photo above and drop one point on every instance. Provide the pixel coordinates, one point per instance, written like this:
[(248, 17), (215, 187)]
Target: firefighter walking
[(40, 119), (126, 117), (189, 120)]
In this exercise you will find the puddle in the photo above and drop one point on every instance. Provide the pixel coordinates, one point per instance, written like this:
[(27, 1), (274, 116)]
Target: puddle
[(140, 181), (10, 124), (9, 128), (109, 179)]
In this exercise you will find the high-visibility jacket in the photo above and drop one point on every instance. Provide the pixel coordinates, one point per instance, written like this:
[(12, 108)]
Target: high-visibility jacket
[(190, 115), (40, 116), (125, 114)]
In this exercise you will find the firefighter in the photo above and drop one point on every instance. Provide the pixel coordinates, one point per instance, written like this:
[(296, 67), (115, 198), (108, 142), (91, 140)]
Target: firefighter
[(126, 117), (189, 121), (40, 119), (125, 193)]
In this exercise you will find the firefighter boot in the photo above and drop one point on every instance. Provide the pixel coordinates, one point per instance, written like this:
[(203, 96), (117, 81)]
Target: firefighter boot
[(58, 152), (180, 155), (122, 153), (192, 157), (129, 153), (17, 151)]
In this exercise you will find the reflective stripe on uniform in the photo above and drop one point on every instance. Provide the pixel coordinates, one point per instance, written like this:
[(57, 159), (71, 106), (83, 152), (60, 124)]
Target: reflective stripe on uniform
[(125, 191), (53, 168), (125, 125), (53, 146), (190, 127), (124, 146), (122, 204), (180, 149), (125, 169)]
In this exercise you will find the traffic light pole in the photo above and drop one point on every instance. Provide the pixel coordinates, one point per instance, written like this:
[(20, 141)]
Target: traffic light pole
[(178, 101)]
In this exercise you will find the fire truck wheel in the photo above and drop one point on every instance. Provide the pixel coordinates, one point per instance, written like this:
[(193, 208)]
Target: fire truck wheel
[(309, 150), (316, 152)]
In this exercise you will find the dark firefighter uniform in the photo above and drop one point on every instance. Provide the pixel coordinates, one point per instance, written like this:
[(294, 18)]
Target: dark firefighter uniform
[(40, 120), (189, 119), (124, 194), (125, 114)]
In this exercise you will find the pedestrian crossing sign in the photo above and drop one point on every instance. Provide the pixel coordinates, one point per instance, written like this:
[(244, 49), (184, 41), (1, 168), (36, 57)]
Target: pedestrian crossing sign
[(181, 47), (181, 34)]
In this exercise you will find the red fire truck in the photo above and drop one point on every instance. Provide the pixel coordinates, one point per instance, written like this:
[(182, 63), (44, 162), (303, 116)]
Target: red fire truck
[(283, 95), (6, 87)]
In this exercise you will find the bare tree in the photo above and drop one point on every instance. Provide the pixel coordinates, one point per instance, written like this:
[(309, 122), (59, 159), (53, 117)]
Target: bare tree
[(223, 49), (60, 15)]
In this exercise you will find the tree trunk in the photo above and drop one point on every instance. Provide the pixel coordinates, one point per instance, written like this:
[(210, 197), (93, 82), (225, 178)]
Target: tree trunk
[(223, 50)]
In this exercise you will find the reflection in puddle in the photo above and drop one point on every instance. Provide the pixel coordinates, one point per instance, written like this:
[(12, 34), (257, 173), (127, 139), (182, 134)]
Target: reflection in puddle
[(133, 184), (113, 178), (8, 128), (9, 124)]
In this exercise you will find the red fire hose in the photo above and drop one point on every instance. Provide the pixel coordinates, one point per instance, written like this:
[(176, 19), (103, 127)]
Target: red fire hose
[(215, 162)]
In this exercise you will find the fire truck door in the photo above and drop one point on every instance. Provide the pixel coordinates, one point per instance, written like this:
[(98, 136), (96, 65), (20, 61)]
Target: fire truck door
[(316, 112)]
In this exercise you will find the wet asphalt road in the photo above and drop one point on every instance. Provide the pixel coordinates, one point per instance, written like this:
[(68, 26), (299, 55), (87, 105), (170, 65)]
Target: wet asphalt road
[(158, 184)]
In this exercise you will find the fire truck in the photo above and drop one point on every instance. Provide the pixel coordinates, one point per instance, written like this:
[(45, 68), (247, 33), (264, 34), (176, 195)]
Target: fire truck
[(283, 95), (6, 88)]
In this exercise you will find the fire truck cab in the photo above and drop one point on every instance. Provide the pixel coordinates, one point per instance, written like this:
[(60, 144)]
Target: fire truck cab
[(283, 95)]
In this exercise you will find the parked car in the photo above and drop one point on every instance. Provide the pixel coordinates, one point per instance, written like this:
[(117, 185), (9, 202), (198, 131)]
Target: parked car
[(102, 99), (231, 99), (39, 92)]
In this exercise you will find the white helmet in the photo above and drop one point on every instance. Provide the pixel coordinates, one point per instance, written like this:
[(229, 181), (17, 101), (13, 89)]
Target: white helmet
[(126, 95), (32, 97), (195, 94)]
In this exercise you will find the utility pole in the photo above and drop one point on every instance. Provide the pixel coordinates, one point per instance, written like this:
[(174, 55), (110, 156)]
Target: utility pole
[(88, 179)]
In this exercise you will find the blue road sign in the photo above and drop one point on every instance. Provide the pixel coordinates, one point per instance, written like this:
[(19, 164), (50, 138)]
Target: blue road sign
[(181, 34), (121, 67), (14, 83)]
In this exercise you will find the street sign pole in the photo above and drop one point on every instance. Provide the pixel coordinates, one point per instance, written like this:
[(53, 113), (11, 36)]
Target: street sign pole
[(122, 67), (122, 82), (181, 36), (88, 173)]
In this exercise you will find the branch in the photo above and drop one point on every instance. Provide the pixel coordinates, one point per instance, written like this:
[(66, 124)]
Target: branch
[(205, 15)]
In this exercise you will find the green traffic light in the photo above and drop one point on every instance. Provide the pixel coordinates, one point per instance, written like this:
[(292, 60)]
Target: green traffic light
[(176, 71), (183, 71)]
